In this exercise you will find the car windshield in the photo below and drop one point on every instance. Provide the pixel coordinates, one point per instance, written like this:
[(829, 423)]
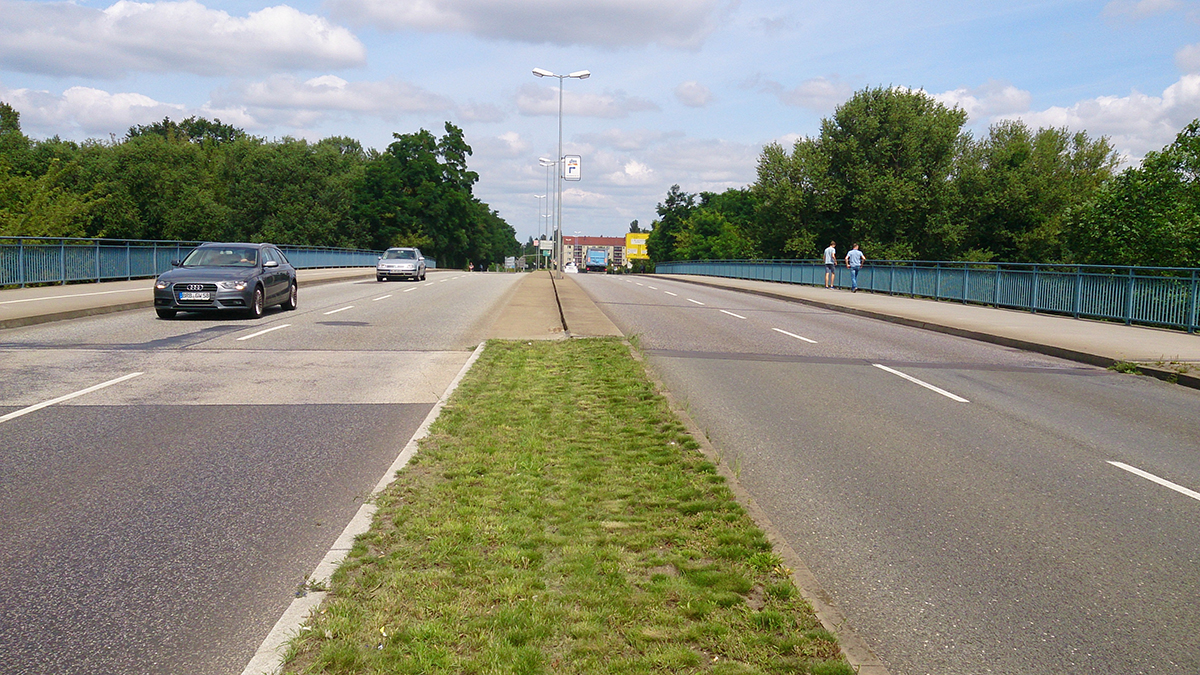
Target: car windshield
[(400, 255), (222, 256)]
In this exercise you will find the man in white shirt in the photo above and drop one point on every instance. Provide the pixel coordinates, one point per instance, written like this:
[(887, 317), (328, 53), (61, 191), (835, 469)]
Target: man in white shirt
[(830, 263), (854, 261)]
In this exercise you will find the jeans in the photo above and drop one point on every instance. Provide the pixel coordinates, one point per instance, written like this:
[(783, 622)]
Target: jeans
[(854, 278)]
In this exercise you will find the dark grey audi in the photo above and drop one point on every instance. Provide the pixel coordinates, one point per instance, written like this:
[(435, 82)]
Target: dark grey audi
[(214, 277)]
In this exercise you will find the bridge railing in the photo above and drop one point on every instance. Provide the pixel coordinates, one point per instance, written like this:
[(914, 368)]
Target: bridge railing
[(38, 260), (1150, 296)]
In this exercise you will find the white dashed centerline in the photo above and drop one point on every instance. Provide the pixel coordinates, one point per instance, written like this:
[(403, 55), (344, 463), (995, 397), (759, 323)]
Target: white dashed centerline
[(695, 301), (383, 297), (798, 337), (732, 314), (60, 399), (928, 386), (1150, 477), (264, 332), (674, 295), (340, 309)]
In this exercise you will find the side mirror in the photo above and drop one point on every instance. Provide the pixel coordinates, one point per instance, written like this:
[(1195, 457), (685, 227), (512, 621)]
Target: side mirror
[(176, 262), (270, 263)]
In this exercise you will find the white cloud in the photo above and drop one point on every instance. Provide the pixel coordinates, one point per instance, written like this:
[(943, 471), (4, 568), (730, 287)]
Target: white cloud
[(605, 23), (990, 100), (61, 38), (1188, 59), (90, 111), (633, 173), (818, 94), (535, 100), (287, 100), (1136, 123), (1139, 9), (693, 94)]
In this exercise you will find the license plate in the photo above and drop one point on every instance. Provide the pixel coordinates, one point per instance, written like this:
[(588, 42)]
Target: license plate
[(185, 295)]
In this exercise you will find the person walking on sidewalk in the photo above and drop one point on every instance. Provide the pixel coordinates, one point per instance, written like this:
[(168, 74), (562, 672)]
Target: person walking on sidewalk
[(830, 264), (854, 261)]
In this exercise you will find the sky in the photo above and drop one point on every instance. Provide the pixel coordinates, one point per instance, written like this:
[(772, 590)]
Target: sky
[(684, 92)]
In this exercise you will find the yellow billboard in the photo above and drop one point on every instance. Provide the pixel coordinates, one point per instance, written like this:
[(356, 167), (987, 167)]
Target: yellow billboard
[(635, 246)]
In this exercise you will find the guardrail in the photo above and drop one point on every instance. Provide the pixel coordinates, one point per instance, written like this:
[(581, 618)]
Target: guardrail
[(1150, 296), (35, 260)]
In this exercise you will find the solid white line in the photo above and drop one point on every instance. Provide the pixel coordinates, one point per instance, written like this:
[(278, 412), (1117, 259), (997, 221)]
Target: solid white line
[(76, 295), (695, 301), (60, 399), (798, 337), (384, 297), (671, 294), (928, 386), (1161, 481), (340, 309), (269, 657), (262, 332), (732, 314)]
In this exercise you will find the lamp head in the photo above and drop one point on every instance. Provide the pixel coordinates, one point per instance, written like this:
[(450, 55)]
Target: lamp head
[(581, 74), (542, 72)]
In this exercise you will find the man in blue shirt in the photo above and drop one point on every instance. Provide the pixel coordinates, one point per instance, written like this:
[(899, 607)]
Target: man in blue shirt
[(854, 261)]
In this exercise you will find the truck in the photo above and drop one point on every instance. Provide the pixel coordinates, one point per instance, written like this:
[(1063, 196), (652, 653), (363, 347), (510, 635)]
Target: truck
[(597, 260)]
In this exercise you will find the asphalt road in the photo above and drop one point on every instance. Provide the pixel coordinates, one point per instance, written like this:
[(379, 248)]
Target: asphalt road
[(979, 527), (163, 522)]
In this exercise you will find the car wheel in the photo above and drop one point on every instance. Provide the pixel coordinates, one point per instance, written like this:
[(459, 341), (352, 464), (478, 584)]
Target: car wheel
[(422, 275), (380, 278), (165, 313), (256, 305), (293, 296)]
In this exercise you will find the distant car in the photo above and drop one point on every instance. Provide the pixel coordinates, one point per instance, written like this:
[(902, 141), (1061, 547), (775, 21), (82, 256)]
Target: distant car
[(215, 277), (400, 263), (570, 268)]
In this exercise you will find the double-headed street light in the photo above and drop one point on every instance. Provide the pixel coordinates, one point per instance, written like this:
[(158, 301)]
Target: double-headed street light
[(579, 75)]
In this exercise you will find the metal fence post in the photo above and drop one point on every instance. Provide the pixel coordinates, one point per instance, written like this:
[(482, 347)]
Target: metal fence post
[(1078, 291), (1033, 295), (1129, 299), (966, 282), (1192, 321), (62, 262), (937, 285), (97, 249), (21, 261), (996, 287)]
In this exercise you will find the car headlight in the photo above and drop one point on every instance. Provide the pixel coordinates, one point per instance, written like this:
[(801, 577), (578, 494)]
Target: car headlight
[(231, 285), (160, 284)]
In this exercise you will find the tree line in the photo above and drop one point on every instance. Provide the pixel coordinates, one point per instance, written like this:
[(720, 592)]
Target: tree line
[(894, 171), (202, 180)]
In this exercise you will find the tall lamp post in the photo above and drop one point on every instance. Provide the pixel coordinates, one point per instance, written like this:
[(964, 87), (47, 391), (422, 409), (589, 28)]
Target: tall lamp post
[(579, 75), (547, 162), (538, 253)]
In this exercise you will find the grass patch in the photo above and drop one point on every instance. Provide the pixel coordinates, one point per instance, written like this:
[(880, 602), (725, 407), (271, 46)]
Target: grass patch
[(558, 519)]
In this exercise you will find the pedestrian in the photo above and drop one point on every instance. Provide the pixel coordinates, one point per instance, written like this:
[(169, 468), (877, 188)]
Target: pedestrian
[(854, 261), (830, 264)]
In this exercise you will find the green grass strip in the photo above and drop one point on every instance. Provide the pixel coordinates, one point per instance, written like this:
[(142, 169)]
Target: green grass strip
[(559, 519)]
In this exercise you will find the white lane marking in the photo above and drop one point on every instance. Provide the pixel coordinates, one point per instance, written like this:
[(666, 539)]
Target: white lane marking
[(60, 399), (732, 314), (340, 309), (264, 332), (1155, 479), (671, 294), (653, 288), (384, 297), (410, 290), (76, 295), (695, 301), (928, 386), (798, 337), (639, 284)]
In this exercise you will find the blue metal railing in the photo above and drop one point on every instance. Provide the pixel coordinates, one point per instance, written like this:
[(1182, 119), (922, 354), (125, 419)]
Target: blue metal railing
[(39, 260), (1150, 296)]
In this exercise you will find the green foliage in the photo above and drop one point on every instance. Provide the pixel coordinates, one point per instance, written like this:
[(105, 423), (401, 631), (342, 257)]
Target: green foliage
[(673, 212), (1148, 215), (206, 180)]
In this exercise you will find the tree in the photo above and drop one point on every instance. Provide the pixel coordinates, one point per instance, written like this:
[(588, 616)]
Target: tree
[(633, 227), (672, 213), (1147, 215)]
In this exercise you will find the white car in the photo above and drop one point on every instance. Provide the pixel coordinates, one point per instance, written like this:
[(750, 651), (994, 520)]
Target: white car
[(570, 268), (400, 263)]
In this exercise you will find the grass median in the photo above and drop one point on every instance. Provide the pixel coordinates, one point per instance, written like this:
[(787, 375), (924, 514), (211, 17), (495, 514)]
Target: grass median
[(559, 519)]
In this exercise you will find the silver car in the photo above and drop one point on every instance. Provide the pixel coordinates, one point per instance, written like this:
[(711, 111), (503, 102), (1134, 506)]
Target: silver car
[(400, 263)]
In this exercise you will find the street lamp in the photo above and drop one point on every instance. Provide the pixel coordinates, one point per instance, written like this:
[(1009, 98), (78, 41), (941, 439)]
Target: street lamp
[(578, 75), (549, 204), (538, 253)]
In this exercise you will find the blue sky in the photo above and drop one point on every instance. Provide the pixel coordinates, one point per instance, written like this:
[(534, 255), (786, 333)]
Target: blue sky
[(682, 91)]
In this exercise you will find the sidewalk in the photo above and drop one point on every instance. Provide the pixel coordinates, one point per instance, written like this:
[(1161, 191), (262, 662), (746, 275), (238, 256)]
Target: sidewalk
[(1095, 342), (42, 304), (545, 308)]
